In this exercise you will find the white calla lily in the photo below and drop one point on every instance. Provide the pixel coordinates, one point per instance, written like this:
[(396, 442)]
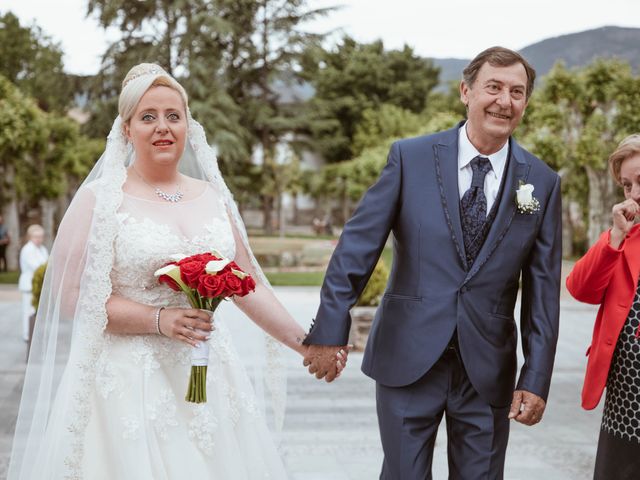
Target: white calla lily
[(214, 266), (217, 254), (167, 270), (172, 271), (239, 274)]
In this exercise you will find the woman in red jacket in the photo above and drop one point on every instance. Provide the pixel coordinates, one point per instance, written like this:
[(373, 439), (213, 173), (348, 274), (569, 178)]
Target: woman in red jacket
[(608, 275)]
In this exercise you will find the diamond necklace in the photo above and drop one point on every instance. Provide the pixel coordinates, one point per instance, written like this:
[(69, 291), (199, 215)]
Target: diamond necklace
[(169, 197)]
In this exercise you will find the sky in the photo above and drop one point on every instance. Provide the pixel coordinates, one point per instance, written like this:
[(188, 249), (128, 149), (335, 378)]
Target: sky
[(441, 29)]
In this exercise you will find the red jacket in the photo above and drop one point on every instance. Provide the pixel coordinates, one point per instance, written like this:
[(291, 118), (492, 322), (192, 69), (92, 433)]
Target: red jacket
[(608, 277)]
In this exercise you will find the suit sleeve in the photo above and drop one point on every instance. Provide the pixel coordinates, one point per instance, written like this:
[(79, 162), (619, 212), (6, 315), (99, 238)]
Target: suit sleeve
[(590, 276), (356, 255), (539, 316)]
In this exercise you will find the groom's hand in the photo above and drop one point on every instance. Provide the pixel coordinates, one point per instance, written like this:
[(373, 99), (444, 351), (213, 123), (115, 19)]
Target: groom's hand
[(526, 408), (326, 361)]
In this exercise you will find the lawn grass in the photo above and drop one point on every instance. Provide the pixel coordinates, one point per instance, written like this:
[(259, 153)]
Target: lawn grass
[(295, 236), (312, 278), (297, 279), (277, 245), (9, 277)]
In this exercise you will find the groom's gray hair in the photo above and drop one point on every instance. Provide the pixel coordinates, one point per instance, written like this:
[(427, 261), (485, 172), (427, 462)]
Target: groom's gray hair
[(498, 57)]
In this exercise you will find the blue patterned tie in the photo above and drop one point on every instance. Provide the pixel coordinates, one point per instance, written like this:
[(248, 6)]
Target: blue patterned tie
[(473, 208)]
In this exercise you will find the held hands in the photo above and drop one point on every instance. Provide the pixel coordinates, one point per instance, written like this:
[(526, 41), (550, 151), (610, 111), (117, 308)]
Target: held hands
[(326, 361), (188, 325), (624, 215), (526, 408)]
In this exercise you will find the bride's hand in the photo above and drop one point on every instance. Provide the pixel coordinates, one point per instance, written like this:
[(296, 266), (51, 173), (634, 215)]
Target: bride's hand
[(183, 324)]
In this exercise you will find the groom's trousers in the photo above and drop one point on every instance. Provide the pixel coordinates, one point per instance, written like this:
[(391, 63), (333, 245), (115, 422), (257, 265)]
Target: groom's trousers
[(477, 433)]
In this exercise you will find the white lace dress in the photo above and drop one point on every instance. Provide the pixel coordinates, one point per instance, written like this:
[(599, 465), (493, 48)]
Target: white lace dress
[(140, 426)]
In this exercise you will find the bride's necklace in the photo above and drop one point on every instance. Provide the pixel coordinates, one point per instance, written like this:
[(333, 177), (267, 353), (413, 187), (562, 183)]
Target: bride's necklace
[(169, 197)]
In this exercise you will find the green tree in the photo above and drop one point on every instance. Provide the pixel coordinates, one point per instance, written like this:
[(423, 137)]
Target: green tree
[(188, 40), (574, 122), (58, 168), (445, 102), (230, 55), (22, 135), (355, 78), (278, 42), (346, 182), (29, 59), (42, 158), (387, 121)]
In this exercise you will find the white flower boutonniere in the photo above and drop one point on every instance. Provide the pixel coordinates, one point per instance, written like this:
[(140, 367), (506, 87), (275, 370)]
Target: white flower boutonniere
[(525, 201)]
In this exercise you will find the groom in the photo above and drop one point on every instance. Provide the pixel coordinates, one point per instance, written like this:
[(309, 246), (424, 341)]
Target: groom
[(444, 338)]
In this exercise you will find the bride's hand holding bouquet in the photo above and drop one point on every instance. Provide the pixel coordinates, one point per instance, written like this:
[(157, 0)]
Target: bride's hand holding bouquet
[(206, 279)]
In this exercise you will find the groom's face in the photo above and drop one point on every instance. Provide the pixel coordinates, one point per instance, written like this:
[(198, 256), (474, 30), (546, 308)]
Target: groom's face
[(495, 102)]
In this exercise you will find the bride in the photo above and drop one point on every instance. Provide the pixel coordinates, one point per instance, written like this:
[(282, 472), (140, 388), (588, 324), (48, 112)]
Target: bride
[(104, 389)]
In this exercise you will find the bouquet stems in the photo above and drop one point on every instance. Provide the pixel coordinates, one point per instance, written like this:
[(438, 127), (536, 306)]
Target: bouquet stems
[(197, 389), (197, 392)]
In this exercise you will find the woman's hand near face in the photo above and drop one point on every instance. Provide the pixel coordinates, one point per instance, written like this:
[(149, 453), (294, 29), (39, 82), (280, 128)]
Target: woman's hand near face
[(624, 215)]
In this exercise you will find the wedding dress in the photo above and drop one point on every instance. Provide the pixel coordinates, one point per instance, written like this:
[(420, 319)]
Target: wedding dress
[(140, 426), (96, 405)]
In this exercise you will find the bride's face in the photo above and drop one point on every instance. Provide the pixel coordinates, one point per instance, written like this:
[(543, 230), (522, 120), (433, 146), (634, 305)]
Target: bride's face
[(158, 127)]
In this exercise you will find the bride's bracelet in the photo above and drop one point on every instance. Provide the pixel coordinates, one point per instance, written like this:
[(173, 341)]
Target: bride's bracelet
[(158, 321)]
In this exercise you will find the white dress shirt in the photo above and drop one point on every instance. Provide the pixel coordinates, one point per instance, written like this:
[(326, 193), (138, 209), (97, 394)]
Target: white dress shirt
[(466, 153)]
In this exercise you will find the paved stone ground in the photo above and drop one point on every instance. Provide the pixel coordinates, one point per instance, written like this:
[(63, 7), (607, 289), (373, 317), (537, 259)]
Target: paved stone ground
[(331, 431)]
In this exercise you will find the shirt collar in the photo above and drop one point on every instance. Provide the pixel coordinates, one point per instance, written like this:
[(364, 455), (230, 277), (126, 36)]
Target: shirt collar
[(467, 152)]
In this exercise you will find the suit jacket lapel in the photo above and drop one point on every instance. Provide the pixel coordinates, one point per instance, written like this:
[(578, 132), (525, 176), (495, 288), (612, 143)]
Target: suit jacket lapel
[(517, 171), (446, 162)]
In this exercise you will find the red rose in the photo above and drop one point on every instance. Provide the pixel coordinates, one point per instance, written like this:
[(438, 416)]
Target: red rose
[(198, 257), (227, 268), (233, 283), (207, 257), (248, 285), (211, 286), (191, 271), (167, 280)]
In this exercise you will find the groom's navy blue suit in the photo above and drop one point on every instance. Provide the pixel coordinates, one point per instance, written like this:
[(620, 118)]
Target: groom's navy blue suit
[(435, 303)]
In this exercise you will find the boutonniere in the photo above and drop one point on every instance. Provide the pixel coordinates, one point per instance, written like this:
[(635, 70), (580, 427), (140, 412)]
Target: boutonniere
[(525, 201)]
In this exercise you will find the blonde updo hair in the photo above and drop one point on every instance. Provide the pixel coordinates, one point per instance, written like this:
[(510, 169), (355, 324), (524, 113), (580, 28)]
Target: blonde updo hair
[(140, 79), (627, 148)]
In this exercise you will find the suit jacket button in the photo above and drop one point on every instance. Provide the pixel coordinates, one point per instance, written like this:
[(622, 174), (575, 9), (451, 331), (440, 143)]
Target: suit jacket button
[(464, 289)]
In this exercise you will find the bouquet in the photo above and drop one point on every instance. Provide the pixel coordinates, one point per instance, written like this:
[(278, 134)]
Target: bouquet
[(206, 279)]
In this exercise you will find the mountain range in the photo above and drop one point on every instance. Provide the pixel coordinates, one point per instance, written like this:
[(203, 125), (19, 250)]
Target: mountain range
[(575, 49)]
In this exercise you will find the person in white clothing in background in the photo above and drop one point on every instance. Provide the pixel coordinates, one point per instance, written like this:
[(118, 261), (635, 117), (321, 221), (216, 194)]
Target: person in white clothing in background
[(32, 255)]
